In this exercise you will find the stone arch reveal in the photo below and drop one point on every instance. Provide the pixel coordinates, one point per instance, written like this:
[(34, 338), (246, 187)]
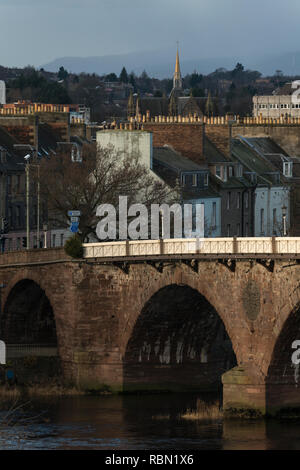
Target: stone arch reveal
[(281, 368), (283, 378), (27, 316), (178, 342)]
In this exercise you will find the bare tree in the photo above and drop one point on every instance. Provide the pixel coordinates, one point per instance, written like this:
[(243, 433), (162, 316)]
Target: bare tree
[(103, 175)]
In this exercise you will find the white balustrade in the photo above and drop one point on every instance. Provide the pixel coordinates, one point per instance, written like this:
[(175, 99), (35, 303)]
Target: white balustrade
[(180, 246)]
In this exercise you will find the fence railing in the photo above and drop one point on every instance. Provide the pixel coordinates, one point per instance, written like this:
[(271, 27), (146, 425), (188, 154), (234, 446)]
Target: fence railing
[(181, 246), (14, 351)]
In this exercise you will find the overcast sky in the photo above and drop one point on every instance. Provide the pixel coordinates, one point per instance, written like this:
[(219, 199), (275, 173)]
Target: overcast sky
[(38, 31)]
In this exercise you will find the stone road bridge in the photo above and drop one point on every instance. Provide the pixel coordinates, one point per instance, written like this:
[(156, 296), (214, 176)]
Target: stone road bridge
[(184, 315)]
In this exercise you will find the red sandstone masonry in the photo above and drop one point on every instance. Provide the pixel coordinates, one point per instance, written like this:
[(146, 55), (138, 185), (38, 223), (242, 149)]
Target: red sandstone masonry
[(96, 308), (185, 138), (33, 256), (220, 136)]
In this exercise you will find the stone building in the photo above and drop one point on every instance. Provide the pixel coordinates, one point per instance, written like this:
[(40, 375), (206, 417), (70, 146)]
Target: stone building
[(283, 102), (195, 184), (271, 187)]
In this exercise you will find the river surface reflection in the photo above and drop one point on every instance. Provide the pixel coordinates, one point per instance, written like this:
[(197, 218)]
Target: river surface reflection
[(138, 422)]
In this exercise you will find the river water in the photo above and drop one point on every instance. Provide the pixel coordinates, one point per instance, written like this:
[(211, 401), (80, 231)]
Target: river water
[(135, 422)]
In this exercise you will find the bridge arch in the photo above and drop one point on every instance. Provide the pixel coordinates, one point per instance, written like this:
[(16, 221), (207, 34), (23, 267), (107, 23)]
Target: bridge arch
[(27, 315), (177, 342)]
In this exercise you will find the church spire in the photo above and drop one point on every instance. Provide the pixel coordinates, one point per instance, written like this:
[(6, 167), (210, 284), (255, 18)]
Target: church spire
[(177, 80)]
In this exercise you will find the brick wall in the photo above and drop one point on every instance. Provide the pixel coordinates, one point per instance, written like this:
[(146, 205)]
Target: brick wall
[(186, 138), (220, 136)]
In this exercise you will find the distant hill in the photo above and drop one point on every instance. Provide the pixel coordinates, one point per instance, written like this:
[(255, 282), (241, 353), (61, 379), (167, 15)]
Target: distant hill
[(160, 64)]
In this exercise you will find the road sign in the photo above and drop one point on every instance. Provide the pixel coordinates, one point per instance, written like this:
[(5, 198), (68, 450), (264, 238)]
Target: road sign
[(74, 213), (74, 219), (74, 227)]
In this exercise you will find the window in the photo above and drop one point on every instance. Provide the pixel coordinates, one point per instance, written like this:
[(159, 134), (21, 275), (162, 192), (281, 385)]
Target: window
[(274, 221), (214, 215), (53, 240), (238, 200), (206, 179), (247, 230), (253, 177), (228, 230), (61, 239), (238, 230), (228, 200), (10, 216), (246, 200), (18, 183), (262, 225), (218, 171), (9, 184), (287, 169), (230, 172), (239, 171), (194, 182), (18, 214)]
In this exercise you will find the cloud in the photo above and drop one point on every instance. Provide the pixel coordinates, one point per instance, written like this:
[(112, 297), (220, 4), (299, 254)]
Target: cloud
[(44, 29)]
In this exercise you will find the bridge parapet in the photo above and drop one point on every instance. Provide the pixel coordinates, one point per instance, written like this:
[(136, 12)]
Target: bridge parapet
[(33, 256), (201, 246)]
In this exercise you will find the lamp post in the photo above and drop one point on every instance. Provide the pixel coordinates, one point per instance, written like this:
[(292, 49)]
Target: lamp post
[(27, 172), (284, 209), (27, 205)]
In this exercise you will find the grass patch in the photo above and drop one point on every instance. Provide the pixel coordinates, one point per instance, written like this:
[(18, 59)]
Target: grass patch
[(204, 411)]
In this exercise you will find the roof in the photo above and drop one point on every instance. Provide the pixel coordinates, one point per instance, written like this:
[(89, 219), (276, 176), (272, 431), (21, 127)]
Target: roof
[(265, 145), (275, 154), (199, 193), (253, 161), (231, 183), (156, 106), (14, 156), (212, 153), (285, 90), (168, 156)]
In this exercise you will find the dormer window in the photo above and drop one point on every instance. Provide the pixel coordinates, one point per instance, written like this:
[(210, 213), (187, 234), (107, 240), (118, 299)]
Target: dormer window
[(253, 178), (194, 180), (288, 169), (239, 171)]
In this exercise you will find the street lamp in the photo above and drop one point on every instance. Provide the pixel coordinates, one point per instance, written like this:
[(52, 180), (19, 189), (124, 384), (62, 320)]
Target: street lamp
[(284, 211), (27, 171)]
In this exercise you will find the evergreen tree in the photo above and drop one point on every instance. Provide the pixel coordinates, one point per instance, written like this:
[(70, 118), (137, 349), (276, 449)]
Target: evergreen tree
[(62, 73), (123, 76)]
